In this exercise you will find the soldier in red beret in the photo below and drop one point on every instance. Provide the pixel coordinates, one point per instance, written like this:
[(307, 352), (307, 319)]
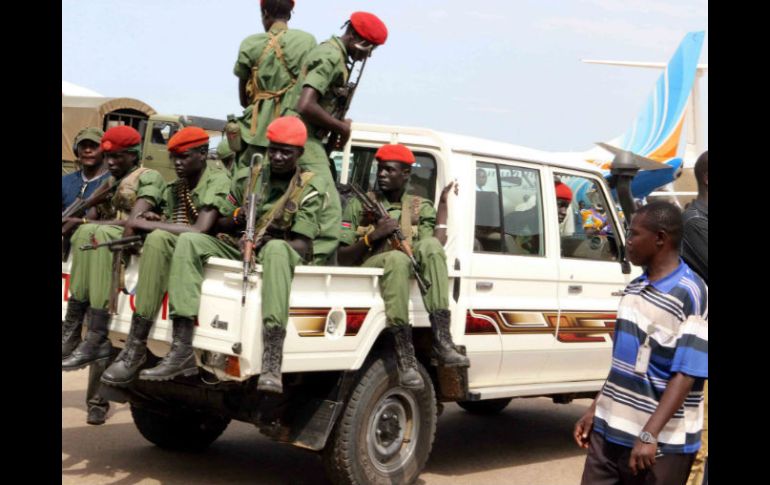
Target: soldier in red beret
[(294, 203), (325, 71), (136, 189), (367, 242), (190, 204), (267, 68)]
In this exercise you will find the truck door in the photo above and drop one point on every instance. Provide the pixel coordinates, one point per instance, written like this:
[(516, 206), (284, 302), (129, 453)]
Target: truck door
[(513, 277), (591, 279)]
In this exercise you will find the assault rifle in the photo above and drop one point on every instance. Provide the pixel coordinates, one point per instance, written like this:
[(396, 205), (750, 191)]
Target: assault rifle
[(253, 203), (343, 98), (397, 238), (116, 244), (101, 194)]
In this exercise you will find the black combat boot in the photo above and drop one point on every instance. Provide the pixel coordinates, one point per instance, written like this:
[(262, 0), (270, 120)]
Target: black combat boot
[(123, 371), (96, 345), (72, 325), (408, 375), (272, 358), (180, 360), (443, 348)]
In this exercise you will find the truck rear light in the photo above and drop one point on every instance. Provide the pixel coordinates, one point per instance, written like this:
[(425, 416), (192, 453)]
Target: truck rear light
[(355, 320), (233, 366), (479, 324)]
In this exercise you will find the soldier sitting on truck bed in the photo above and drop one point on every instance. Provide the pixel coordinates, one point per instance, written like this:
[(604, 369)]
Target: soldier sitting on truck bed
[(267, 68), (292, 202), (190, 204), (138, 190), (369, 241)]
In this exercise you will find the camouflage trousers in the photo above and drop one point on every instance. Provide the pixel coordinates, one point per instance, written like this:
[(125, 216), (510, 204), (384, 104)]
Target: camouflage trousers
[(394, 283), (91, 271)]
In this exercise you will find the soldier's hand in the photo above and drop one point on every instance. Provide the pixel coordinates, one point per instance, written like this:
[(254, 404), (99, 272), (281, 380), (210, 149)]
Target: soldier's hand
[(150, 216), (344, 135), (241, 218), (384, 228), (445, 193)]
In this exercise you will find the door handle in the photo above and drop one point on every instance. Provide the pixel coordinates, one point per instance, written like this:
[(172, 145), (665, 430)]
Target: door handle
[(575, 289), (484, 285)]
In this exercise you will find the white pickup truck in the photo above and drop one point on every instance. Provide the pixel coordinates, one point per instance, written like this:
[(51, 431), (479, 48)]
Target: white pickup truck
[(533, 306)]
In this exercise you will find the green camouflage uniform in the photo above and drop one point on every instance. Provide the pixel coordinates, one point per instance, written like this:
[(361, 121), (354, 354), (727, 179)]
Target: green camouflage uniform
[(91, 271), (324, 69), (275, 76), (428, 251), (159, 246), (277, 258)]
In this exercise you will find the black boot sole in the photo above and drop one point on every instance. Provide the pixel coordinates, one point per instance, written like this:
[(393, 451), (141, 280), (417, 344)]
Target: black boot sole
[(84, 364), (184, 372)]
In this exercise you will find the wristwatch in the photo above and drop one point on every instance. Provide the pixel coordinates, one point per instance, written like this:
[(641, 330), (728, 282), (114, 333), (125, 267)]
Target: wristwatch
[(647, 437)]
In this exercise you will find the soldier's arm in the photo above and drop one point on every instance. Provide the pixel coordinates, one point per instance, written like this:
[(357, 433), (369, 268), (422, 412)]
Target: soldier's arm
[(439, 232), (242, 93), (205, 222), (312, 112)]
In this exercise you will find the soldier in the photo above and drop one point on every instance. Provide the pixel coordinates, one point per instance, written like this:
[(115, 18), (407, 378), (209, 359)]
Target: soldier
[(138, 190), (293, 202), (267, 68), (327, 69), (82, 183), (190, 204), (226, 156), (366, 241)]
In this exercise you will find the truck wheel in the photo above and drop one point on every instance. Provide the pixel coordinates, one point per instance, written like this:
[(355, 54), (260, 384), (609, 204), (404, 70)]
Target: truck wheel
[(385, 433), (185, 432), (487, 407)]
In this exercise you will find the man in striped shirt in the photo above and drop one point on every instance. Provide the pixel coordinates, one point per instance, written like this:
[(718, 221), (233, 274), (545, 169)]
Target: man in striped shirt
[(645, 424)]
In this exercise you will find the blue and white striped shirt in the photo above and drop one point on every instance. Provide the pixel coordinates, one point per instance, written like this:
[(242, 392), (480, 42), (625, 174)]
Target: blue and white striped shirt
[(673, 311)]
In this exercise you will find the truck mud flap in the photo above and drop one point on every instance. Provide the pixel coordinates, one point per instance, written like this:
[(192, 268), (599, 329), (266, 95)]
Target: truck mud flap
[(311, 424)]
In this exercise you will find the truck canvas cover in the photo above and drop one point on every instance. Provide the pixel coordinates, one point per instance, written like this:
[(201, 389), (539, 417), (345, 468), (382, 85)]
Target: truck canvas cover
[(78, 112)]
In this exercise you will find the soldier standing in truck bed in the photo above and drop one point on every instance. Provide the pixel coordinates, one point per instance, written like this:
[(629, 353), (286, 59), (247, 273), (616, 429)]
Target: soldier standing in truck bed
[(267, 68)]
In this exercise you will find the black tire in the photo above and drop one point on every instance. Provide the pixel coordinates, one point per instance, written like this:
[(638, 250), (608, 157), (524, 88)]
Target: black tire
[(488, 407), (385, 413), (180, 432)]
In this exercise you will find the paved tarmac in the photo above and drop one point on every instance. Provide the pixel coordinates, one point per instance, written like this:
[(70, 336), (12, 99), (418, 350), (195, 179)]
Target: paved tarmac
[(529, 443)]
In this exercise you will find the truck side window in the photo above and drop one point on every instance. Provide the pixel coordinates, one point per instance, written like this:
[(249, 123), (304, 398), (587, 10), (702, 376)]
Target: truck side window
[(587, 231), (509, 210), (363, 171)]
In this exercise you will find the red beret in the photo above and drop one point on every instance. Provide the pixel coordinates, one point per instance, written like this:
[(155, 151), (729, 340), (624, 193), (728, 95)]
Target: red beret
[(394, 153), (369, 27), (186, 138), (563, 191), (120, 138), (288, 130)]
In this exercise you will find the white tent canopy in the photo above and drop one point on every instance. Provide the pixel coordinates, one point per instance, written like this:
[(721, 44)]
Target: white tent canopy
[(69, 89)]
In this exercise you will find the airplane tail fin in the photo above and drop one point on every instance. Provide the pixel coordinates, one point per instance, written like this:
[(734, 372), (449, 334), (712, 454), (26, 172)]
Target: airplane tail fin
[(657, 130)]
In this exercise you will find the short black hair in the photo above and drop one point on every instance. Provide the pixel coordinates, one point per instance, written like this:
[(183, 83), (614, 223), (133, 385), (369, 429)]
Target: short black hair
[(702, 169), (278, 8), (663, 216)]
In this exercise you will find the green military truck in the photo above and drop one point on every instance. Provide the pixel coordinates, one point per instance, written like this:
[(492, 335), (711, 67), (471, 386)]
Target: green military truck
[(79, 112)]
